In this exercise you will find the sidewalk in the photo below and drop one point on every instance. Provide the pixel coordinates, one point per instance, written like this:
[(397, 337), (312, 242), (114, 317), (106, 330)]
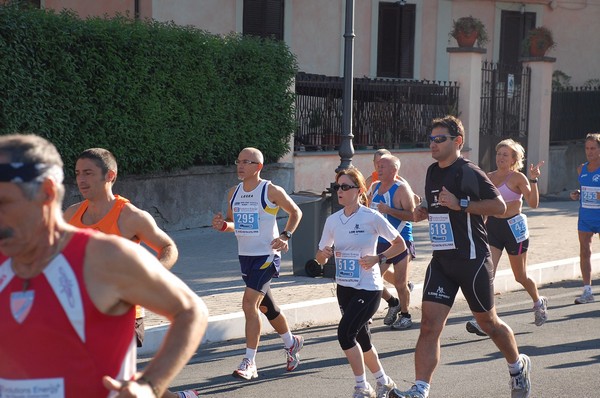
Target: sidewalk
[(208, 264)]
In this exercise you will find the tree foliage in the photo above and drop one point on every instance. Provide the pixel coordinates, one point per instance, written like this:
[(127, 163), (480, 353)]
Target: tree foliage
[(158, 95)]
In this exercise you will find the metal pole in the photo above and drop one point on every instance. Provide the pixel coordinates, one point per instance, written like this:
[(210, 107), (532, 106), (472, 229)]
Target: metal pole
[(346, 150)]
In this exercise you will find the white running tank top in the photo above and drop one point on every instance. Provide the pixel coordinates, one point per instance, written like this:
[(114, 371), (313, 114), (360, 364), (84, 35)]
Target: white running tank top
[(255, 220)]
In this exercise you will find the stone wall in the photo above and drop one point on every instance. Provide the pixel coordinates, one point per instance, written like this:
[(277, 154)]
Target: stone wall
[(186, 199)]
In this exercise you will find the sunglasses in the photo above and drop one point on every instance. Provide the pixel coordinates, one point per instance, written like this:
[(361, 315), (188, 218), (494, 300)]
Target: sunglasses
[(246, 162), (438, 139), (345, 187)]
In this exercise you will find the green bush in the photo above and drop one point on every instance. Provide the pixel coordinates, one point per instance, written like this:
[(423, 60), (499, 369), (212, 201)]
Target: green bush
[(159, 96)]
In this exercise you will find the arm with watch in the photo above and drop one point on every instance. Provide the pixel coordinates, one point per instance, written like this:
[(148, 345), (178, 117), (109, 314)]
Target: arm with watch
[(398, 246), (482, 207), (278, 196)]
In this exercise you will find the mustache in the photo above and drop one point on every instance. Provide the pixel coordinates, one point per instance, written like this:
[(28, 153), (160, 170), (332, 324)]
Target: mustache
[(6, 233)]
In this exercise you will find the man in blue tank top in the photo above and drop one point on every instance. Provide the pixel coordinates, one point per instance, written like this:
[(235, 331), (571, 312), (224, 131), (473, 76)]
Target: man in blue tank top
[(589, 212), (394, 199)]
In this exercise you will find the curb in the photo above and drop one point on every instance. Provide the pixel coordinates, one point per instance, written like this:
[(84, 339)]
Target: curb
[(326, 311)]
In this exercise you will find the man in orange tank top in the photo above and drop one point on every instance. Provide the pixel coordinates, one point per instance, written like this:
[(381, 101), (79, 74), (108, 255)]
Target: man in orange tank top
[(96, 173), (77, 289)]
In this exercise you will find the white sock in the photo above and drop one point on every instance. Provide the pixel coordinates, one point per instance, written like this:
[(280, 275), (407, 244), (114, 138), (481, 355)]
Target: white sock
[(251, 354), (361, 381), (587, 288), (515, 368), (538, 303), (288, 339), (381, 377)]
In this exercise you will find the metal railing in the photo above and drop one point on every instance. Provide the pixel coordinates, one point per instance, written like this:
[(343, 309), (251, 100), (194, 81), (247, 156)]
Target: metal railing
[(505, 91), (387, 113), (575, 112)]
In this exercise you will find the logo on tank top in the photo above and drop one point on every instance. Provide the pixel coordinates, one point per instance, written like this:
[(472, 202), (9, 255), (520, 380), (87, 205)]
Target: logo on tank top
[(596, 177), (20, 304)]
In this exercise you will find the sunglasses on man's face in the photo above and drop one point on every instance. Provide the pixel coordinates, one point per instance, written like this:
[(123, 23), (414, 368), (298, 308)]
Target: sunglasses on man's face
[(438, 139), (344, 187)]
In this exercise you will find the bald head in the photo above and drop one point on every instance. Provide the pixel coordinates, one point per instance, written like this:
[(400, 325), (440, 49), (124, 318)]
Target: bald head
[(253, 154)]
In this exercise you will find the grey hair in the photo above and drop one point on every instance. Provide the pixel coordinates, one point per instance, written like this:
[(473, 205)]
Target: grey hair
[(30, 148)]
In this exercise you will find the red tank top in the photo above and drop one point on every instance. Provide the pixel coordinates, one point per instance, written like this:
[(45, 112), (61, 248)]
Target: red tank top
[(108, 224), (60, 343)]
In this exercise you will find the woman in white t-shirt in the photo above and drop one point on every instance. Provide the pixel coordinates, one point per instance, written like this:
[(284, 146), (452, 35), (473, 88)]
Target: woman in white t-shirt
[(354, 231)]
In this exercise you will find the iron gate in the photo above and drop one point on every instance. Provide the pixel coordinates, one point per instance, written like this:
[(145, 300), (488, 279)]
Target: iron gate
[(504, 109)]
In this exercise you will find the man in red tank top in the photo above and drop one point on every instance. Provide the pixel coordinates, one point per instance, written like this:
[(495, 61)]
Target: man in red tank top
[(66, 294)]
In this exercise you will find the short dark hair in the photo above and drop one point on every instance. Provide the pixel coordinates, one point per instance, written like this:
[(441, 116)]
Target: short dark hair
[(103, 158), (453, 124)]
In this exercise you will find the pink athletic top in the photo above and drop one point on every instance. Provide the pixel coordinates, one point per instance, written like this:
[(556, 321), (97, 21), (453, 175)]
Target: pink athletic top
[(508, 194), (53, 339)]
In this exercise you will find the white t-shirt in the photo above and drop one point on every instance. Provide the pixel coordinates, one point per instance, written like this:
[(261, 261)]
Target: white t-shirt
[(355, 237)]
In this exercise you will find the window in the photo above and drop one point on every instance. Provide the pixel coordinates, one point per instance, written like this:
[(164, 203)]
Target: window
[(396, 40), (263, 18), (513, 29)]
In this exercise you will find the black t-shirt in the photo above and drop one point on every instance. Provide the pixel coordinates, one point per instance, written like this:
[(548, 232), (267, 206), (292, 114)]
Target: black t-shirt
[(466, 181)]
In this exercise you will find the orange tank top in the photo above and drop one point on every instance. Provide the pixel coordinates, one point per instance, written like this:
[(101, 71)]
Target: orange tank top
[(108, 224)]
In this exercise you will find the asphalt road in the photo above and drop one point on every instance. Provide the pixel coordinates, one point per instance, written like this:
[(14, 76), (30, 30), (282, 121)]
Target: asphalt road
[(565, 353)]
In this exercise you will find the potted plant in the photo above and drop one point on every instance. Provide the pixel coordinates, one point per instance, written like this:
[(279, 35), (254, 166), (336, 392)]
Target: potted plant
[(538, 41), (467, 30)]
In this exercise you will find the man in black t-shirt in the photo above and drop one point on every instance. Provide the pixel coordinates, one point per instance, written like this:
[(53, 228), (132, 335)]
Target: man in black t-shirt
[(458, 196)]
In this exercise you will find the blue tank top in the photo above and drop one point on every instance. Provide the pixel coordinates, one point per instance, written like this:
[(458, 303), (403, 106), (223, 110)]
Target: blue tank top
[(590, 194), (404, 227)]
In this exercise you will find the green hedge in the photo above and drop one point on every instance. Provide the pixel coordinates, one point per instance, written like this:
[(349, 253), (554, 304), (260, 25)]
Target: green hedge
[(158, 95)]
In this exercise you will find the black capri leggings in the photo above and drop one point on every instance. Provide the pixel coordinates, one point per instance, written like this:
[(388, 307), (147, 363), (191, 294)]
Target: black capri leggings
[(357, 307)]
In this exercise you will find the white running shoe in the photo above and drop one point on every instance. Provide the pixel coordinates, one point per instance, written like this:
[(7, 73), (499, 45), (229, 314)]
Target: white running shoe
[(392, 315), (473, 327), (586, 297), (366, 392), (520, 385), (412, 393), (541, 312), (188, 394), (383, 390), (293, 353), (246, 370), (403, 322)]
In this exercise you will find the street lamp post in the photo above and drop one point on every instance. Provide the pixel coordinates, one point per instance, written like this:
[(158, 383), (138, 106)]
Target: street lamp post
[(346, 150)]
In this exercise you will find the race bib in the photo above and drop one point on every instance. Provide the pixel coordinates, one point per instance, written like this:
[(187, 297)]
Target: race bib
[(347, 268), (440, 232), (246, 220), (518, 227), (590, 197), (32, 388)]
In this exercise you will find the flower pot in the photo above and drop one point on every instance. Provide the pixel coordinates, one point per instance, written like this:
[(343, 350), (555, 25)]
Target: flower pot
[(538, 47), (466, 40)]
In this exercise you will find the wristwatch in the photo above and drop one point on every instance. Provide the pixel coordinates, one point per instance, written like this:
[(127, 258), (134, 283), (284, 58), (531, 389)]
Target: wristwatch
[(464, 203), (382, 258), (287, 234)]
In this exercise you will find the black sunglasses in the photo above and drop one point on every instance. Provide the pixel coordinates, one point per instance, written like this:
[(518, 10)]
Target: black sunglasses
[(344, 187), (438, 139)]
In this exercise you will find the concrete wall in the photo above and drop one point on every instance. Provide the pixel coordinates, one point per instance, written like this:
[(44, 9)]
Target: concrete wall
[(186, 199), (316, 170), (562, 164)]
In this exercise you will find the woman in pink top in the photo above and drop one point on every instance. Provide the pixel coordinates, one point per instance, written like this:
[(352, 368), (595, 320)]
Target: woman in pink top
[(509, 231)]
